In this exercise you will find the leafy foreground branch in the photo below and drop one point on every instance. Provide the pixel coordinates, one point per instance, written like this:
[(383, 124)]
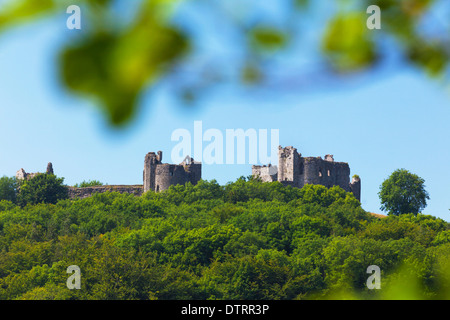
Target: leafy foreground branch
[(117, 56)]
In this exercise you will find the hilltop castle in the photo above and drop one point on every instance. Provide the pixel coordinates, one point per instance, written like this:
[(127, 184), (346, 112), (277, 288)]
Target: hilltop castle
[(292, 169), (160, 176), (296, 171)]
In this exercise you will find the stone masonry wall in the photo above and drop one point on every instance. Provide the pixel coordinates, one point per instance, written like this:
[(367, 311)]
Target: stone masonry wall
[(266, 173), (82, 193), (327, 173), (169, 174), (160, 176), (297, 171)]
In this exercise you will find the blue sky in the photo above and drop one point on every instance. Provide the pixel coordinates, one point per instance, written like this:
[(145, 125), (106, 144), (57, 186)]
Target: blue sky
[(377, 122)]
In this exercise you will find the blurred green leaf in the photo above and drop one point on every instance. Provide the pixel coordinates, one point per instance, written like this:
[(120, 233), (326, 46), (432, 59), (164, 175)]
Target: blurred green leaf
[(251, 74), (301, 3), (113, 63), (266, 38), (114, 68), (348, 43), (22, 10), (431, 57)]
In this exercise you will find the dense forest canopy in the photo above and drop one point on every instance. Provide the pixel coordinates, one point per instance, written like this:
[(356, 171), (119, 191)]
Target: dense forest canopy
[(243, 240)]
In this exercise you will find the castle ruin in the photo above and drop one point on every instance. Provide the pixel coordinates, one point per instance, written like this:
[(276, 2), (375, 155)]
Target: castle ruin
[(160, 176), (297, 171), (23, 175), (292, 169)]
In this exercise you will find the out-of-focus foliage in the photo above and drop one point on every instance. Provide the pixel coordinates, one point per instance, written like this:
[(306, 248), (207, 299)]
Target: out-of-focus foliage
[(348, 44), (115, 57), (114, 66), (267, 38), (244, 240)]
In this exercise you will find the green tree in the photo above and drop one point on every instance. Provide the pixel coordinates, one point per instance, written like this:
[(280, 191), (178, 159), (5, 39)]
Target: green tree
[(90, 183), (43, 188), (403, 192), (8, 188)]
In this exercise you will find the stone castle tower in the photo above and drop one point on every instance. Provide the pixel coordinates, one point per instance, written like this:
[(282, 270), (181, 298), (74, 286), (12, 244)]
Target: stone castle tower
[(160, 176), (295, 170)]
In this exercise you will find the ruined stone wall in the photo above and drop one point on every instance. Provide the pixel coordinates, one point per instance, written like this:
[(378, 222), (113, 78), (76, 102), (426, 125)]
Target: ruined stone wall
[(23, 175), (158, 176), (327, 173), (289, 166), (342, 176), (312, 170), (169, 174), (296, 171), (355, 187), (82, 193), (265, 173), (150, 163), (194, 171)]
